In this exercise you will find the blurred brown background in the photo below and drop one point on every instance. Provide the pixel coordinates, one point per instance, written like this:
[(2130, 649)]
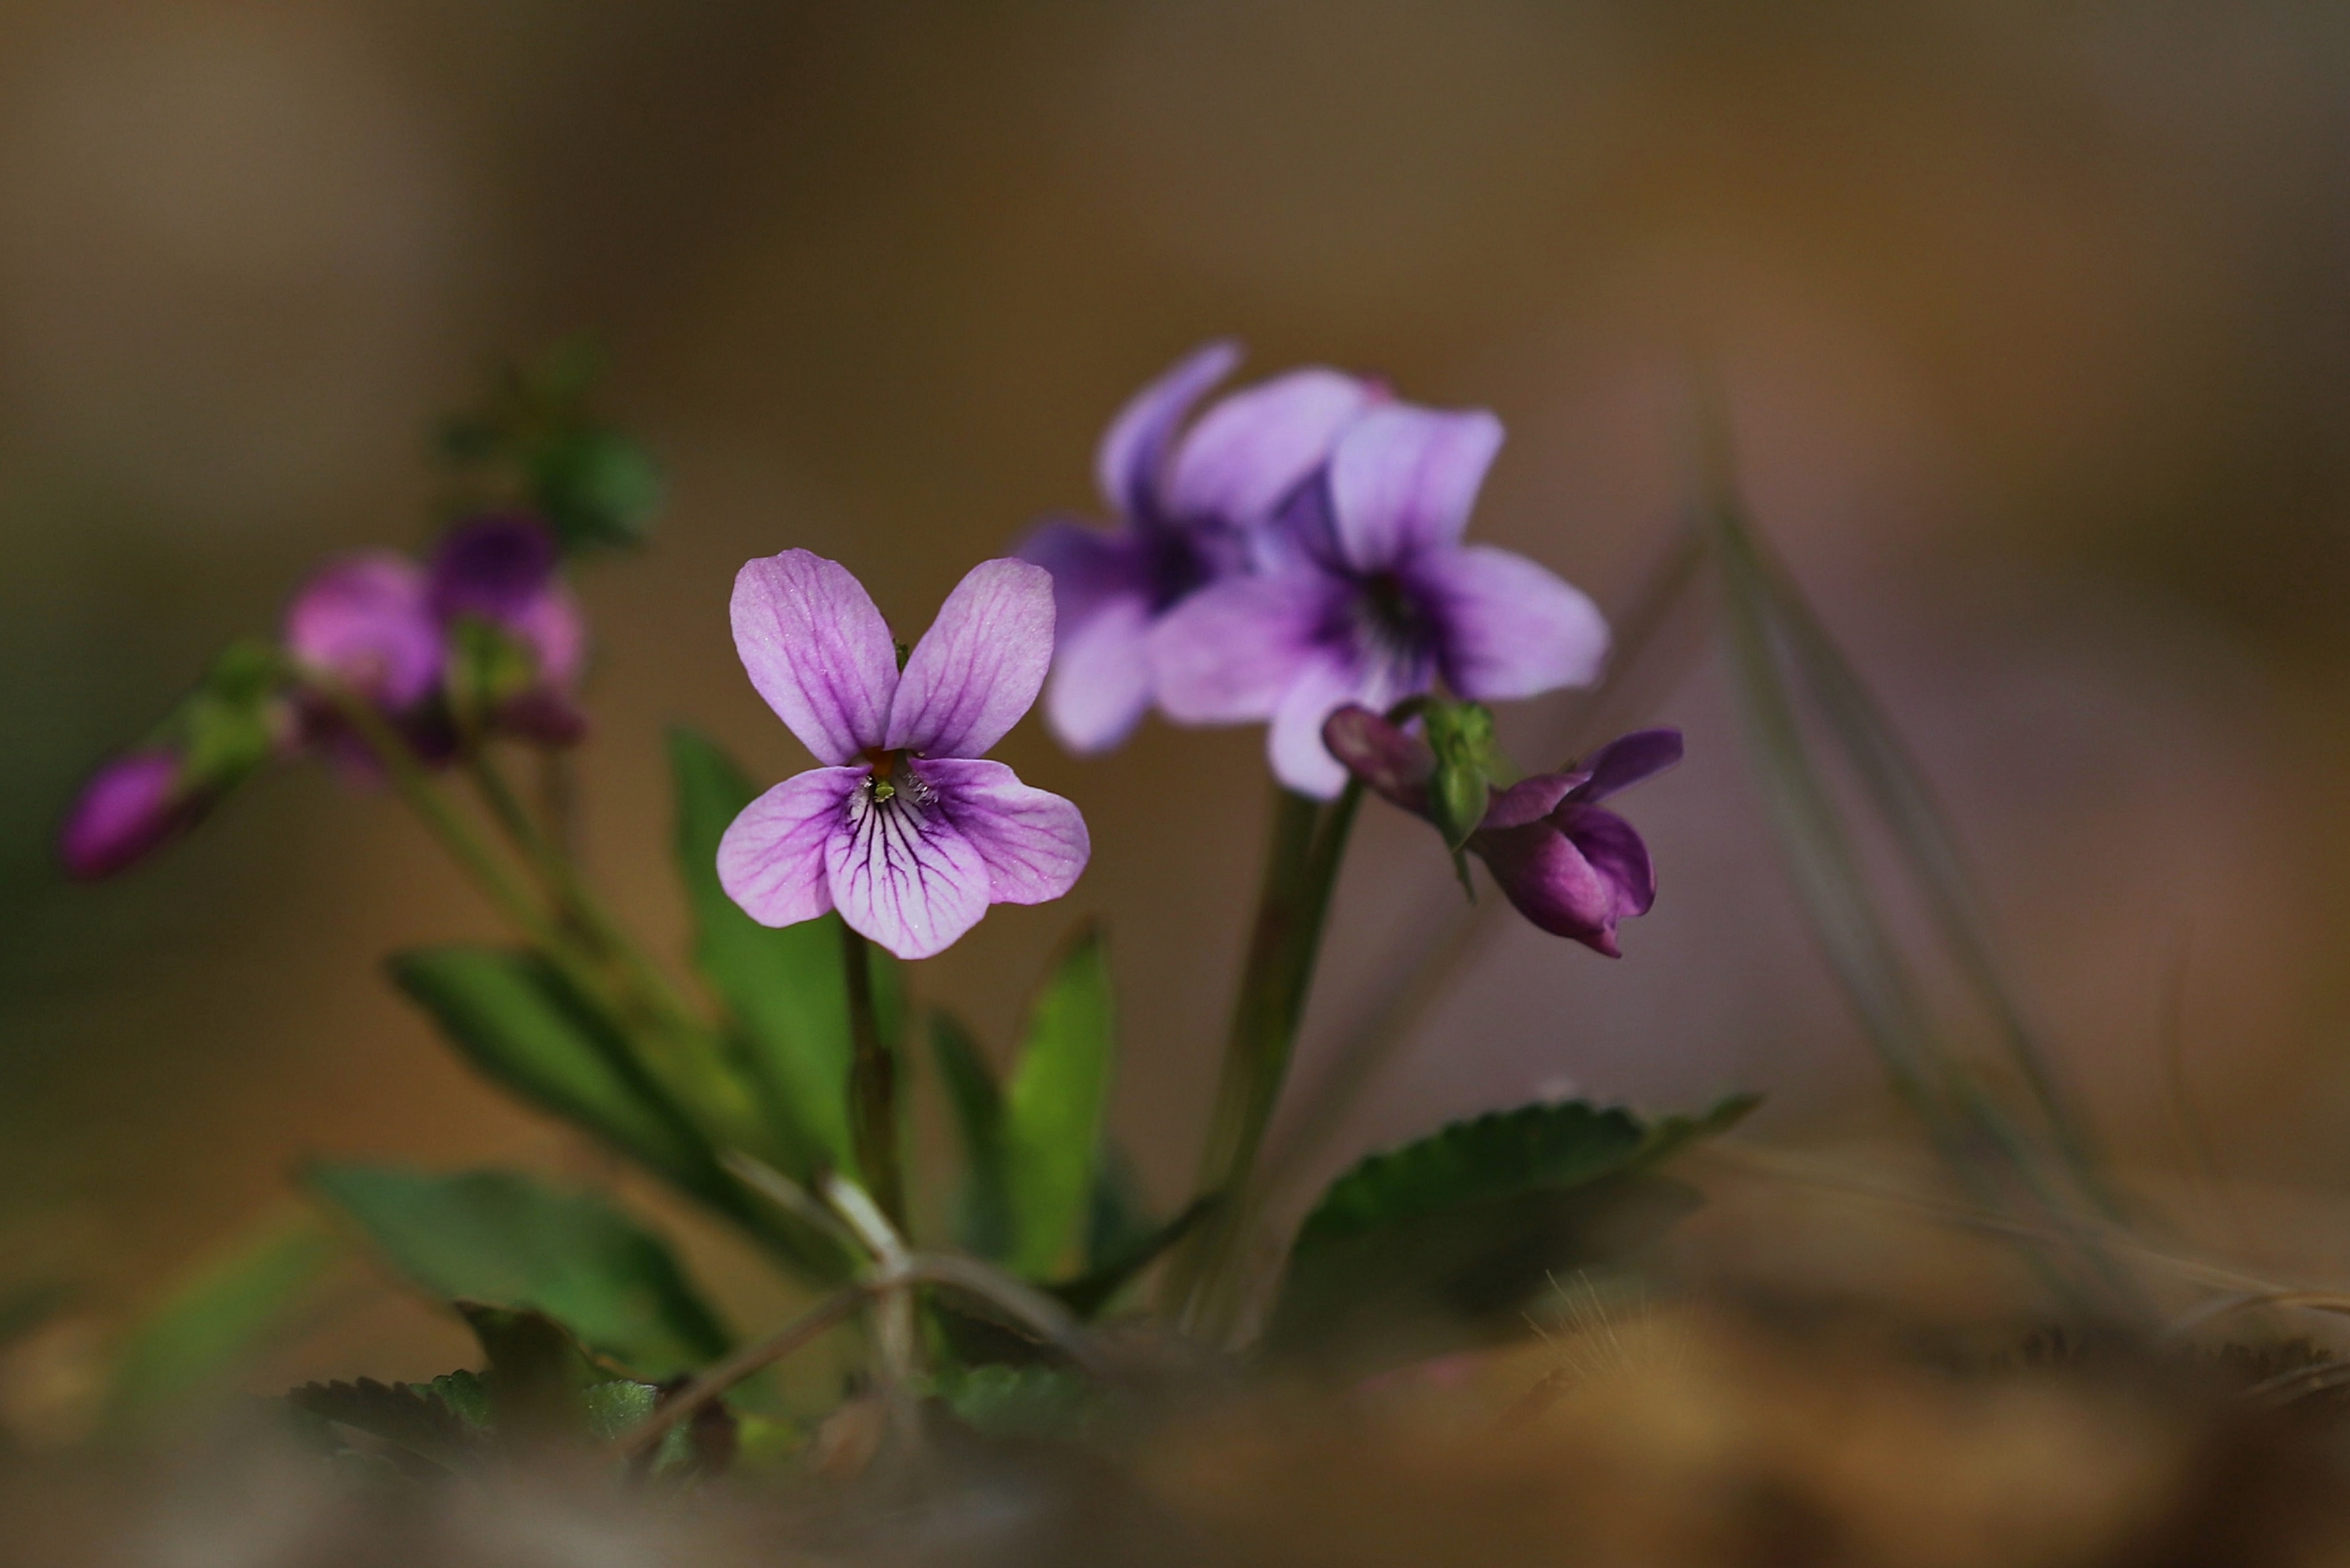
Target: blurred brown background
[(2036, 319)]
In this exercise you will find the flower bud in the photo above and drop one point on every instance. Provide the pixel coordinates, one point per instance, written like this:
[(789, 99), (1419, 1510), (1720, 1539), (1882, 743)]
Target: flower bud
[(131, 807)]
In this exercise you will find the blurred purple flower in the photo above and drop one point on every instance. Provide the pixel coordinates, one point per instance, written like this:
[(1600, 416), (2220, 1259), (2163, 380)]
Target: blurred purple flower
[(365, 620), (380, 626), (902, 828), (131, 807), (1569, 866), (1190, 512), (1378, 600), (503, 569)]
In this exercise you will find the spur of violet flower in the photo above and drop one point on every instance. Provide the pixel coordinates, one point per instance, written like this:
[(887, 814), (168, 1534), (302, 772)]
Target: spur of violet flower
[(1377, 601), (1568, 866), (903, 828), (1190, 510)]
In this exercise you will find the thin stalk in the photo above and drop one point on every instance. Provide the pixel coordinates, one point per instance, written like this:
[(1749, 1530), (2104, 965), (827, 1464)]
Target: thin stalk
[(872, 1084), (1308, 845), (416, 791), (1899, 789), (573, 896), (482, 864), (1658, 635)]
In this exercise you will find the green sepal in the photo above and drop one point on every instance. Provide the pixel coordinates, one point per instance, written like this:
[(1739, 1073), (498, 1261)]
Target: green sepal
[(1468, 761), (230, 725)]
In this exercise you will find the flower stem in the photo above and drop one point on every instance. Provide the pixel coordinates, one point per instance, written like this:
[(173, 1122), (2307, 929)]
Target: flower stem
[(1308, 844), (872, 1083)]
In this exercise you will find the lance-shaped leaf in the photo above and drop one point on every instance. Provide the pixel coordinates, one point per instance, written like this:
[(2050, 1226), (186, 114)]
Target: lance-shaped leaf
[(983, 1200), (783, 987), (511, 1017), (503, 1239), (1053, 1109), (219, 1314), (1444, 1240)]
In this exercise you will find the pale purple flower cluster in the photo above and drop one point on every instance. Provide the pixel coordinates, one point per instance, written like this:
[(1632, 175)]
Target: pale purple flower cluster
[(384, 629), (903, 828), (1297, 549), (1568, 866)]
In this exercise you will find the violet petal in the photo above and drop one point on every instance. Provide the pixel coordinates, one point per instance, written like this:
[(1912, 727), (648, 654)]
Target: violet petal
[(1100, 684), (1294, 741), (1529, 799), (1403, 478), (1391, 762), (817, 651), (1549, 882), (1507, 628), (554, 629), (1251, 449), (904, 876), (1133, 452), (1627, 760), (1034, 843), (1230, 651), (1091, 570), (1614, 850), (365, 620), (980, 666), (771, 861)]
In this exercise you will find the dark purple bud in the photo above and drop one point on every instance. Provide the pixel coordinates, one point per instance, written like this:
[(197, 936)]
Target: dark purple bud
[(131, 807), (363, 619), (1569, 866), (494, 568), (502, 571)]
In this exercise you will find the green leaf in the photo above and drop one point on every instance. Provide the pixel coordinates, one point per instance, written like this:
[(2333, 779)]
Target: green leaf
[(1091, 1292), (1118, 1219), (1054, 1109), (598, 487), (505, 1239), (466, 1394), (1032, 1401), (1442, 1240), (782, 988), (984, 1202), (412, 1416), (217, 1316), (518, 1022)]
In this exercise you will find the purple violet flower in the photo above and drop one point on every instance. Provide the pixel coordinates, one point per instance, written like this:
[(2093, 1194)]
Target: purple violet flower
[(134, 805), (902, 828), (1569, 866), (1377, 601), (1190, 513)]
